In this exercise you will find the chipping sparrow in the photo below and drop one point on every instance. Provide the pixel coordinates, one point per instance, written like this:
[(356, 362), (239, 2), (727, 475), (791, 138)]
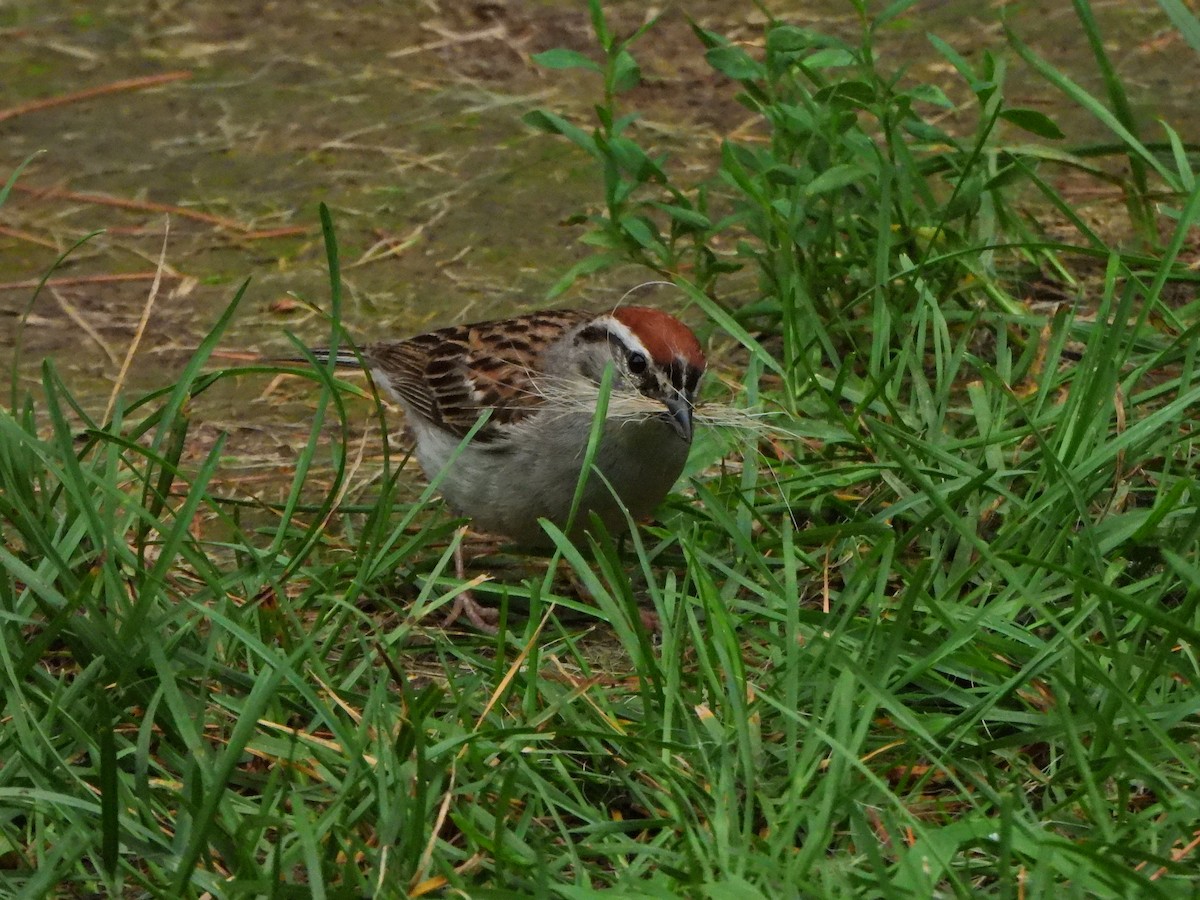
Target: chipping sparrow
[(537, 378)]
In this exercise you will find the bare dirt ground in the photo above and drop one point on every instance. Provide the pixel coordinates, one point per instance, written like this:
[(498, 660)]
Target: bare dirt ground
[(404, 118)]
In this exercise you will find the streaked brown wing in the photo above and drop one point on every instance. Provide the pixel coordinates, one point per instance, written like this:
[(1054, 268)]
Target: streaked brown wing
[(452, 375)]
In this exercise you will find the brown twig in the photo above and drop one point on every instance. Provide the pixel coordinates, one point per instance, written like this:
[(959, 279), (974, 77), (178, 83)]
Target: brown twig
[(125, 84), (151, 206), (452, 39), (26, 236), (264, 234), (140, 331), (75, 280), (85, 326), (1176, 855)]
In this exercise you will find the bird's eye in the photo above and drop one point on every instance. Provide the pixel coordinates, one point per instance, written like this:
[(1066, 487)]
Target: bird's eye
[(637, 362)]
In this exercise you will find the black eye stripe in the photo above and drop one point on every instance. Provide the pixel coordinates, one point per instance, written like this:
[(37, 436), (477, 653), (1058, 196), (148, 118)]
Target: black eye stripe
[(593, 334), (636, 359)]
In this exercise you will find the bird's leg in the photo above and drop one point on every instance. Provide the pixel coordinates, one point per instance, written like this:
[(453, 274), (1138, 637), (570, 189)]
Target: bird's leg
[(484, 618)]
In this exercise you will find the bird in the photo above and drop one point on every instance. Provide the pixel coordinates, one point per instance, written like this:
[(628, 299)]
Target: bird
[(535, 381)]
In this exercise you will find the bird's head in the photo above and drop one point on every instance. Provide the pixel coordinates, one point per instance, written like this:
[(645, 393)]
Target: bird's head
[(652, 354)]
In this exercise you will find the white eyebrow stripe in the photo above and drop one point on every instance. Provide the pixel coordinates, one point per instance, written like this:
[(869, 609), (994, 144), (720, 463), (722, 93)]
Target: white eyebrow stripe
[(621, 332)]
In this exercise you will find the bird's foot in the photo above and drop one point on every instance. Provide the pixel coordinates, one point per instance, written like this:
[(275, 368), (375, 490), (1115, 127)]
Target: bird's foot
[(485, 618)]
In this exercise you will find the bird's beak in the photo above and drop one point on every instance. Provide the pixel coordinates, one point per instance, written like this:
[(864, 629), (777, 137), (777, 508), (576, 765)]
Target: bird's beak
[(679, 410)]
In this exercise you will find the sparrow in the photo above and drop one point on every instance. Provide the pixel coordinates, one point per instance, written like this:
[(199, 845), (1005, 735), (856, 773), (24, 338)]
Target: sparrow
[(525, 390)]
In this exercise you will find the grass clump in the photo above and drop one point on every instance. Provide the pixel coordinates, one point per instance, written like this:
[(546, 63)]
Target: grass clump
[(932, 633)]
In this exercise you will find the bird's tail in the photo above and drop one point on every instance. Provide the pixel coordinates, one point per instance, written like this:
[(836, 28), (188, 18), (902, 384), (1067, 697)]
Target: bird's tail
[(345, 357)]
